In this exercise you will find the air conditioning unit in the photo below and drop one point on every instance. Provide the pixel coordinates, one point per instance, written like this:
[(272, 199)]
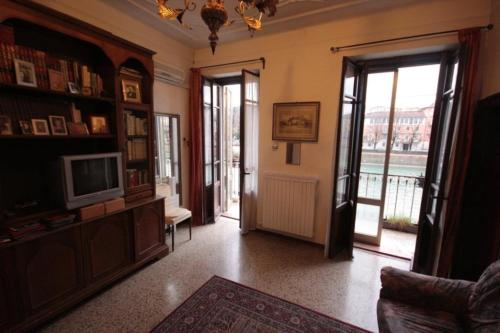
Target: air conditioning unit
[(168, 74)]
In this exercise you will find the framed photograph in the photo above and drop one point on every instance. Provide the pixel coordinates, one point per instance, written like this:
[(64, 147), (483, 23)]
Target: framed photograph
[(296, 122), (58, 125), (78, 128), (25, 127), (25, 73), (131, 91), (40, 127), (73, 88), (56, 80), (99, 124), (5, 125)]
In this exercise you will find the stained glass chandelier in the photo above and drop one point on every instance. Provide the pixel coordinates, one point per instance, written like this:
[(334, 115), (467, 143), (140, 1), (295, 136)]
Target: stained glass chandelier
[(215, 16)]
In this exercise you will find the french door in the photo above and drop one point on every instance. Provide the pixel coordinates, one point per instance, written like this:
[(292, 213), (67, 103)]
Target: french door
[(346, 166), (439, 155), (212, 100), (347, 199), (249, 133)]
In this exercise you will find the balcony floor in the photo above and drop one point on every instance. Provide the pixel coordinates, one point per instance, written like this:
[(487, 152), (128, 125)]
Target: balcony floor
[(396, 243)]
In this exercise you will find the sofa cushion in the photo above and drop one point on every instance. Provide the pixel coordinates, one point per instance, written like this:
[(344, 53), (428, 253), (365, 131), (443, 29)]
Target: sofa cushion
[(399, 317), (484, 302)]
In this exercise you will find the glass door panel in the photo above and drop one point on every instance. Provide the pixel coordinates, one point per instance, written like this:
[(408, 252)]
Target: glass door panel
[(414, 112), (379, 98)]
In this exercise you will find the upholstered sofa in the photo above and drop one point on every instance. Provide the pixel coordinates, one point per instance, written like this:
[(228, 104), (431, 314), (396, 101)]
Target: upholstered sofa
[(411, 302)]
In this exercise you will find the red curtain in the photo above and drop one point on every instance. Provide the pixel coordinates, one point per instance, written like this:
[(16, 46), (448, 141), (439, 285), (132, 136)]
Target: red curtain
[(196, 157), (470, 43)]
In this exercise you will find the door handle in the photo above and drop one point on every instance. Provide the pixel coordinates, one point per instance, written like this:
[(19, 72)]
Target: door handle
[(247, 173)]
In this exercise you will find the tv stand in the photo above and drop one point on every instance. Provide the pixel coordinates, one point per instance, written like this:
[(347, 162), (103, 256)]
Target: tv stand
[(48, 272)]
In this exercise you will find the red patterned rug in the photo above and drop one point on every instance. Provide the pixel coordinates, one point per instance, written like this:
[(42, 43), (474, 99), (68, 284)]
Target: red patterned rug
[(221, 305)]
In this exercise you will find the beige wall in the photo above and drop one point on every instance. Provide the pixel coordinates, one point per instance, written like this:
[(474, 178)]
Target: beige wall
[(167, 98), (300, 67), (491, 49)]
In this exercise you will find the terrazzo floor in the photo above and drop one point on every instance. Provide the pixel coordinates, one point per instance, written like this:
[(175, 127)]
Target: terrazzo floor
[(286, 268)]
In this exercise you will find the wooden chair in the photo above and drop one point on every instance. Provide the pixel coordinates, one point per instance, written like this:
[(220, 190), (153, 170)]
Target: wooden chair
[(174, 216)]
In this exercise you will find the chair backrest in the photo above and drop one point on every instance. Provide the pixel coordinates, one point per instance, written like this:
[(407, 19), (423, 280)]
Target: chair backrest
[(484, 302)]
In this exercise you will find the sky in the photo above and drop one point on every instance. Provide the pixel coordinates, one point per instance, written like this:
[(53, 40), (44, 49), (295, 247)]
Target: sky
[(416, 87)]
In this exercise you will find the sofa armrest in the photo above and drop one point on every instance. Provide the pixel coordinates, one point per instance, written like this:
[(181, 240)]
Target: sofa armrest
[(425, 291)]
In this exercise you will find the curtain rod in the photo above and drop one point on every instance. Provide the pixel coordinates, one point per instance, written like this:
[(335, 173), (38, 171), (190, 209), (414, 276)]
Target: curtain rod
[(261, 59), (334, 49)]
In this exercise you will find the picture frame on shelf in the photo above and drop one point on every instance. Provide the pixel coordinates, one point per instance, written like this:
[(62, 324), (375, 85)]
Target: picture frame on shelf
[(78, 128), (73, 88), (5, 125), (25, 73), (296, 122), (131, 91), (99, 124), (58, 125), (25, 127), (40, 127), (56, 80)]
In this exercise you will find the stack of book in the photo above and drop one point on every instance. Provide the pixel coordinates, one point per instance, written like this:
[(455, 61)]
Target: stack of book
[(136, 177), (20, 232), (131, 72), (135, 125), (137, 149)]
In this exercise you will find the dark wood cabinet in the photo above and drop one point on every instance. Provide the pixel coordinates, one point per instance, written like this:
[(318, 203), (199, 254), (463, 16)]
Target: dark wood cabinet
[(149, 229), (106, 246), (54, 270), (49, 269), (9, 298)]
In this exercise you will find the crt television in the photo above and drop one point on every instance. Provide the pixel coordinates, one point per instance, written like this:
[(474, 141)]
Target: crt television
[(88, 179)]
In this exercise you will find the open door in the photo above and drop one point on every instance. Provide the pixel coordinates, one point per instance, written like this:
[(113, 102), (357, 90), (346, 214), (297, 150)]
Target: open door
[(249, 145), (433, 196), (212, 98), (346, 161)]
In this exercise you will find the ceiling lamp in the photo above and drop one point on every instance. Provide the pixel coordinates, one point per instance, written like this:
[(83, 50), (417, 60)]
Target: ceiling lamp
[(215, 16)]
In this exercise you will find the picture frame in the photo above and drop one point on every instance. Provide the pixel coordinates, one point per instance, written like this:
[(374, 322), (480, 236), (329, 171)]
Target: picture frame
[(25, 73), (58, 125), (40, 127), (26, 127), (73, 88), (5, 125), (99, 124), (296, 122), (131, 91), (78, 128), (56, 80)]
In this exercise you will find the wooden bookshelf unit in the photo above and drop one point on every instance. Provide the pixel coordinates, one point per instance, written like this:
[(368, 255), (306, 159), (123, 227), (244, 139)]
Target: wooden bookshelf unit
[(82, 74)]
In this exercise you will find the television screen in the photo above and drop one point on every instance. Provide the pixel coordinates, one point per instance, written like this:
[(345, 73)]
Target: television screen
[(91, 178), (94, 175)]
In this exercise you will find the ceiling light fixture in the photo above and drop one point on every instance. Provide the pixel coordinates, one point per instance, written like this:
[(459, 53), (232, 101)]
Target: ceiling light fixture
[(215, 16)]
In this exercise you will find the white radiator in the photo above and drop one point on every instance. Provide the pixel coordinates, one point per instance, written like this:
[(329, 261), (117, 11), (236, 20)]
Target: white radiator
[(289, 204)]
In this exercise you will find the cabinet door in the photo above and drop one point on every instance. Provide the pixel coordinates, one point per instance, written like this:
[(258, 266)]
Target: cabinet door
[(9, 296), (107, 246), (50, 268), (149, 226)]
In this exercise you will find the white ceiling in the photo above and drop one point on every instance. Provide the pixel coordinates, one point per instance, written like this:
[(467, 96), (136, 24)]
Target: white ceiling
[(291, 14)]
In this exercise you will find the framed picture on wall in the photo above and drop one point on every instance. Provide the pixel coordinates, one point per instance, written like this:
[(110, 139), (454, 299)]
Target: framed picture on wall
[(296, 122)]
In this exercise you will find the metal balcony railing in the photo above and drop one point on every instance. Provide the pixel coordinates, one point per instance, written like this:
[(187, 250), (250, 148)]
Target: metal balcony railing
[(403, 193)]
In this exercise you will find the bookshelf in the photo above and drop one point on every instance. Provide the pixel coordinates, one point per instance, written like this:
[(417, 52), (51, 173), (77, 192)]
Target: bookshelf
[(81, 75)]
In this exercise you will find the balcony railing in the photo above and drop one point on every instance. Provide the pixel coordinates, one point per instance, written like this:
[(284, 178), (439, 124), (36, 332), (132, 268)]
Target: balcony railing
[(403, 193)]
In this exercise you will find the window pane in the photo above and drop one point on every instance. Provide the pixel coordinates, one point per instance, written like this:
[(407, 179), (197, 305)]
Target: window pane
[(345, 139)]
